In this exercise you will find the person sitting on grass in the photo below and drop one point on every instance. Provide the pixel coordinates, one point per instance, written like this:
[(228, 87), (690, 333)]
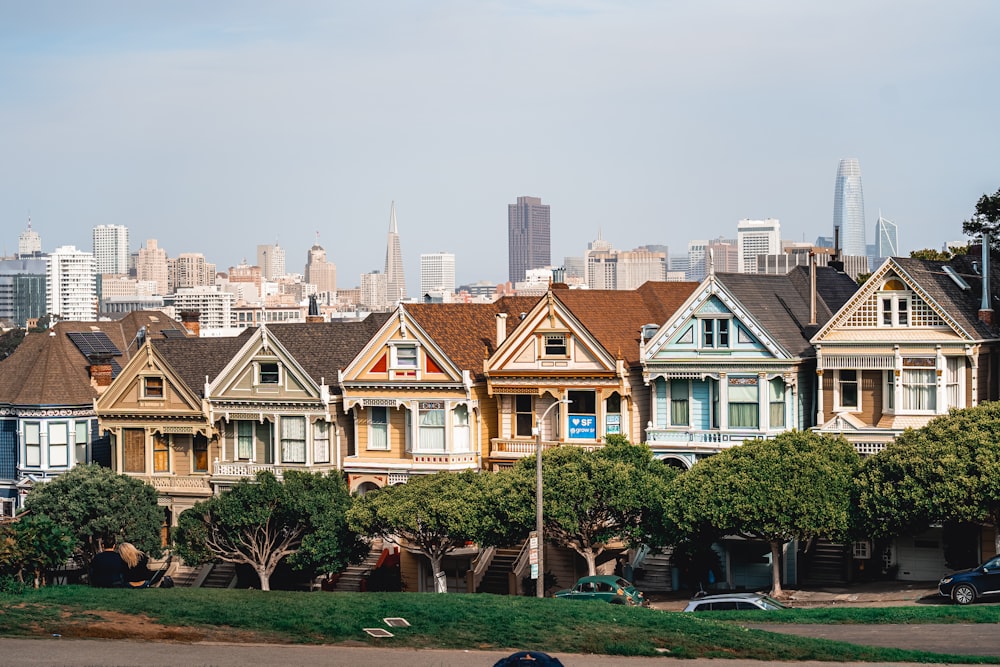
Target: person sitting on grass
[(137, 572), (107, 569)]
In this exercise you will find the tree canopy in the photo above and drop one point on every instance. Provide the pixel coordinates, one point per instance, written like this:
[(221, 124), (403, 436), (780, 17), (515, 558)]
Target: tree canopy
[(259, 522), (985, 219), (433, 514), (592, 500), (93, 502), (34, 544), (798, 485), (949, 470)]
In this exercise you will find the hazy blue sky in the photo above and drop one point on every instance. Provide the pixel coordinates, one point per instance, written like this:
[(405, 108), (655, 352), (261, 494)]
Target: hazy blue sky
[(215, 126)]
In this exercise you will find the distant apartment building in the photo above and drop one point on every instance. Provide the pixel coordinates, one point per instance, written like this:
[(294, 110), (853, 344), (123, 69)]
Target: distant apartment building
[(190, 269), (271, 260), (756, 237), (528, 237), (250, 278), (695, 265), (215, 307), (793, 254), (319, 272), (71, 285), (624, 269), (247, 316), (372, 296), (723, 256), (111, 253), (151, 265), (437, 273)]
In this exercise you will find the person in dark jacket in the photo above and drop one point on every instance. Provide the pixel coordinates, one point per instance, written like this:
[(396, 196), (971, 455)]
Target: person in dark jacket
[(137, 572), (107, 569)]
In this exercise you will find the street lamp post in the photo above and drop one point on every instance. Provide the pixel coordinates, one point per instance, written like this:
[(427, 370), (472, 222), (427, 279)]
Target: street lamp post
[(540, 582)]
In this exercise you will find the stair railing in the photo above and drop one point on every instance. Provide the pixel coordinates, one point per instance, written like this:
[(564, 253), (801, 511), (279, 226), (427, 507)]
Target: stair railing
[(523, 562), (479, 568)]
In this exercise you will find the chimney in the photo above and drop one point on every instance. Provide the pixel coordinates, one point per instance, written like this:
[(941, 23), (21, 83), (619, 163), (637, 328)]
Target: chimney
[(191, 321), (501, 328), (100, 370), (812, 289), (986, 305)]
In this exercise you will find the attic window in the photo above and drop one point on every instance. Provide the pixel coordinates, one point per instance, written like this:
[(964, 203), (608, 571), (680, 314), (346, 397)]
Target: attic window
[(269, 373), (152, 387), (555, 345)]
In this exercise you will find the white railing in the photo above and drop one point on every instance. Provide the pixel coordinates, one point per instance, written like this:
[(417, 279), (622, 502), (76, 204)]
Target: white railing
[(221, 469), (167, 482), (725, 438), (509, 448)]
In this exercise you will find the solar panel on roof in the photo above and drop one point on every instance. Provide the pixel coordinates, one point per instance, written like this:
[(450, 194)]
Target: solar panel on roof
[(93, 342)]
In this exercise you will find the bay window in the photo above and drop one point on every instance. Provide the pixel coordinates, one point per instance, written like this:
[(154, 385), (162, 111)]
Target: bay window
[(161, 453), (430, 436), (378, 428), (293, 439), (321, 442), (680, 403), (33, 444), (582, 415), (134, 450), (919, 389), (58, 444), (847, 390), (244, 440), (460, 422), (82, 428), (744, 408), (776, 389), (524, 417)]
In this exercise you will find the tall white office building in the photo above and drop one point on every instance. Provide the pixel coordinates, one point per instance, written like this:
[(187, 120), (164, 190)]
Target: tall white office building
[(756, 237), (29, 242), (111, 249), (849, 209), (437, 273), (71, 286)]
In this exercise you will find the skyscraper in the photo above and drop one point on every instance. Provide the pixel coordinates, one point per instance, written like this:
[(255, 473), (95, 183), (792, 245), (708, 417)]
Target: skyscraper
[(271, 260), (111, 249), (29, 242), (151, 265), (756, 237), (528, 241), (71, 287), (437, 272), (395, 281), (849, 209), (886, 239), (319, 272)]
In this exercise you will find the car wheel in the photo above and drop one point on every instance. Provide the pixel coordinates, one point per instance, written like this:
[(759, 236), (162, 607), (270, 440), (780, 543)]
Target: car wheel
[(964, 594)]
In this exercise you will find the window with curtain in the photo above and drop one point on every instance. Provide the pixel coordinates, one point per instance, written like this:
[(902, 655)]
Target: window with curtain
[(460, 422), (58, 444), (378, 428), (161, 454), (777, 402), (81, 441), (919, 389), (321, 442), (680, 404), (523, 416), (744, 411), (431, 428), (293, 439), (406, 356), (847, 389), (134, 449), (200, 453), (244, 440), (953, 381)]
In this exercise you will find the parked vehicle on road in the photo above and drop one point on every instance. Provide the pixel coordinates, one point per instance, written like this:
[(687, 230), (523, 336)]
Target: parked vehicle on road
[(734, 602), (967, 586), (609, 588)]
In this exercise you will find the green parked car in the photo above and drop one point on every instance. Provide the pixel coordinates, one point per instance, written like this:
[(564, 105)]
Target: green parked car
[(605, 587)]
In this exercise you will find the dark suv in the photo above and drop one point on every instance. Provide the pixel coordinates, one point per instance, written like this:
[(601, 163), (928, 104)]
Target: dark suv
[(967, 586)]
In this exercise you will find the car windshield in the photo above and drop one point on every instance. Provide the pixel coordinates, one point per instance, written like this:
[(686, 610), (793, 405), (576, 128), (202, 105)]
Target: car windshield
[(770, 603)]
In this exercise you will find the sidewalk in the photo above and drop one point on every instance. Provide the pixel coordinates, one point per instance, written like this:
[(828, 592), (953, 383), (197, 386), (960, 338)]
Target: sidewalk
[(876, 594)]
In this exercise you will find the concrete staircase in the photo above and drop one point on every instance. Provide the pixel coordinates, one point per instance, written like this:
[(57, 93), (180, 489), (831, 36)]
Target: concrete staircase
[(209, 575), (350, 579), (496, 580), (222, 575)]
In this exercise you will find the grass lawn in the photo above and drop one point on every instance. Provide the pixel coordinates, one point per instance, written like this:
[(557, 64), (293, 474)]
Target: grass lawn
[(458, 621)]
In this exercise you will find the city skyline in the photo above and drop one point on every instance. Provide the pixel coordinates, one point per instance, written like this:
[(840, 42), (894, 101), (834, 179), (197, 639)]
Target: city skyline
[(215, 128)]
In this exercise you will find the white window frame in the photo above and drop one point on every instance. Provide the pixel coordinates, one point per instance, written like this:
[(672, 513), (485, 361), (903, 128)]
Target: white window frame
[(259, 372), (321, 441), (33, 444), (431, 426), (145, 387), (241, 439), (290, 440), (838, 383), (906, 388), (82, 430), (376, 427), (58, 444), (8, 507), (403, 362), (897, 316), (461, 430), (552, 343), (954, 381), (716, 333)]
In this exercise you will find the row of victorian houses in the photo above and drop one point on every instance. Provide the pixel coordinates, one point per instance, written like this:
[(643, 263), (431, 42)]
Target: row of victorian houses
[(688, 368)]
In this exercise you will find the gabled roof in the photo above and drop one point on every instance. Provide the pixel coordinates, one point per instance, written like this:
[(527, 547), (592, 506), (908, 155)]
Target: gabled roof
[(467, 332), (194, 360), (955, 304), (49, 369), (616, 317), (781, 304)]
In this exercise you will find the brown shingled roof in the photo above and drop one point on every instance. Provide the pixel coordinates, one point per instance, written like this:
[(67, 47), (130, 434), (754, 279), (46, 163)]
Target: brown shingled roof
[(49, 369)]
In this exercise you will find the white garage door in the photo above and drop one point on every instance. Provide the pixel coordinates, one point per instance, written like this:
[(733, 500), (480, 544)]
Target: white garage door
[(921, 558)]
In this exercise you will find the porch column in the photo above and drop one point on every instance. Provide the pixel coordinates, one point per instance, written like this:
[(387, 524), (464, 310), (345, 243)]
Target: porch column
[(763, 403), (723, 402), (940, 368), (973, 356), (897, 383)]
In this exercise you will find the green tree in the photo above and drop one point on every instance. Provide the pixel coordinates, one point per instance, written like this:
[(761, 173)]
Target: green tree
[(259, 522), (434, 514), (34, 544), (797, 486), (94, 502), (949, 470), (935, 255), (9, 340), (593, 501), (985, 219)]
